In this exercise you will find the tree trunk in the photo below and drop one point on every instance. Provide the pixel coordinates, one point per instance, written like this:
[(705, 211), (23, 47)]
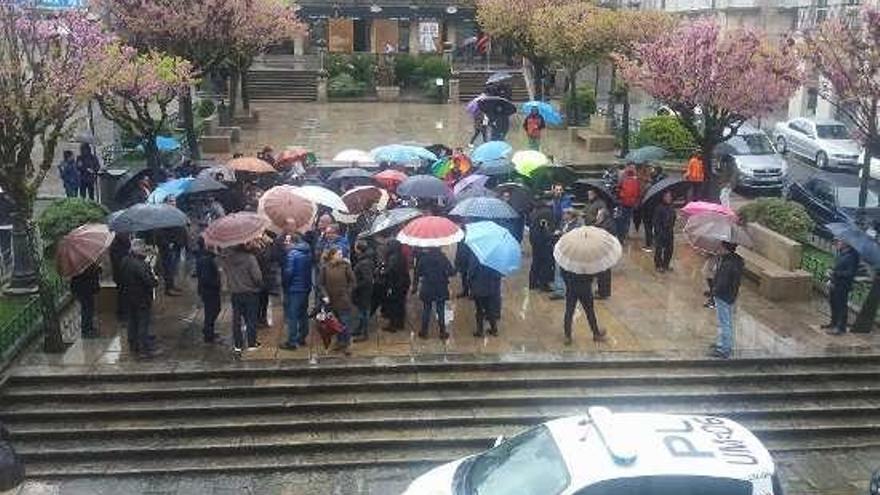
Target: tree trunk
[(24, 278), (613, 83), (573, 112), (868, 313), (624, 145), (245, 96), (151, 150), (711, 190), (866, 166), (233, 93), (189, 124), (53, 341)]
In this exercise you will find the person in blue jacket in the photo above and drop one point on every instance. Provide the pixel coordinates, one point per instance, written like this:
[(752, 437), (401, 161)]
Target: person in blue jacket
[(297, 283), (846, 266)]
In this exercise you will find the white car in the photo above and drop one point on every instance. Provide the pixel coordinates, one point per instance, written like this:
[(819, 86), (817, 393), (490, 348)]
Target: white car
[(601, 453), (826, 142)]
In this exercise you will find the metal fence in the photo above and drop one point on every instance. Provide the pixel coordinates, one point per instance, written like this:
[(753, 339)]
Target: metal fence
[(26, 320)]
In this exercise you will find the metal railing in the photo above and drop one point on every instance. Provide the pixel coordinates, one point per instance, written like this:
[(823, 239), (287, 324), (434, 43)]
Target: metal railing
[(26, 320)]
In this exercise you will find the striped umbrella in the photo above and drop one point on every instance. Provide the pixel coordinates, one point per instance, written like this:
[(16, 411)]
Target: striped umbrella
[(489, 208), (430, 231)]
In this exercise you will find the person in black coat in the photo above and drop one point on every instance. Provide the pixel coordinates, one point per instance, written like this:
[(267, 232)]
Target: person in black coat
[(663, 223), (209, 287), (362, 296), (846, 266), (462, 263), (433, 270), (485, 286), (579, 288), (396, 282), (725, 289), (541, 238), (138, 283), (84, 287), (119, 249)]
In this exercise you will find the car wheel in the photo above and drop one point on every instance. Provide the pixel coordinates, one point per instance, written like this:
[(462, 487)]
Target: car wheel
[(781, 146), (822, 160)]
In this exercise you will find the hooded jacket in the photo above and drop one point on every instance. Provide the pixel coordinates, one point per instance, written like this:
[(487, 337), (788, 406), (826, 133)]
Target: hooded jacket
[(297, 272), (243, 273)]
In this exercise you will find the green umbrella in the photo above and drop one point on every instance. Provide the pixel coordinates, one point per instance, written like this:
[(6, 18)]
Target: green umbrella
[(528, 161)]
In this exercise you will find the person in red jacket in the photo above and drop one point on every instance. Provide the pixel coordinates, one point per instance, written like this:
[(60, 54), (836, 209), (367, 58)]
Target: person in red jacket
[(629, 192), (533, 125)]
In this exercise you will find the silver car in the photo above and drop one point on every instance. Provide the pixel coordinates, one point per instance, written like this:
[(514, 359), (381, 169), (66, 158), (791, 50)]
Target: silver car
[(827, 142), (754, 163)]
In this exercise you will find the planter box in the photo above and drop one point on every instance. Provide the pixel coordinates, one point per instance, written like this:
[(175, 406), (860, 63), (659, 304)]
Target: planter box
[(388, 93), (774, 263), (781, 250)]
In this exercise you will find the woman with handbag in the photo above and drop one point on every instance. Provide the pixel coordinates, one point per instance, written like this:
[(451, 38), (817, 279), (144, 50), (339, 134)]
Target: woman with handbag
[(337, 282)]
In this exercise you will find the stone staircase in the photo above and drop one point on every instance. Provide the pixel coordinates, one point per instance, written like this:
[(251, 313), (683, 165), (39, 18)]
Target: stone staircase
[(472, 82), (282, 84), (287, 416)]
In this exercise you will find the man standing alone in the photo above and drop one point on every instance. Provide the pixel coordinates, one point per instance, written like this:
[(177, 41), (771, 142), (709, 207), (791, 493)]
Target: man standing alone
[(138, 284), (725, 289), (846, 265)]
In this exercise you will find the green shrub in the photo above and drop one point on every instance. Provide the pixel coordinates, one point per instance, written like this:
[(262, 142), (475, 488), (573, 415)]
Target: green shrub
[(666, 132), (204, 108), (405, 67), (416, 71), (582, 104), (344, 85), (779, 215), (360, 66), (64, 215)]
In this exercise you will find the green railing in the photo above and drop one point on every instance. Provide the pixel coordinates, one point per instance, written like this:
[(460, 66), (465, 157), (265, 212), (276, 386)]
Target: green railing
[(25, 318), (819, 263)]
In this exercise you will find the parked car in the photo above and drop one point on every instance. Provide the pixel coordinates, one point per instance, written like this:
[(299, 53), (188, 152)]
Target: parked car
[(827, 202), (826, 142), (601, 453), (753, 161)]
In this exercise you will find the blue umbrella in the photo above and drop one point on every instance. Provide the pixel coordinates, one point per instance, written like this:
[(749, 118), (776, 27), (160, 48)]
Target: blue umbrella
[(423, 186), (493, 246), (484, 207), (171, 189), (166, 143), (858, 239), (550, 114), (498, 166), (402, 154), (490, 151)]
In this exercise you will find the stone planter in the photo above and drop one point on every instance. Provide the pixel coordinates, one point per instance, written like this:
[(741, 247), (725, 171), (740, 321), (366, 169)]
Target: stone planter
[(388, 93), (322, 89)]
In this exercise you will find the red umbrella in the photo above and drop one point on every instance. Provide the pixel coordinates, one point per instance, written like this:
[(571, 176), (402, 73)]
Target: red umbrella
[(390, 179), (250, 164), (235, 229), (362, 198), (286, 209), (81, 248), (430, 232), (290, 156)]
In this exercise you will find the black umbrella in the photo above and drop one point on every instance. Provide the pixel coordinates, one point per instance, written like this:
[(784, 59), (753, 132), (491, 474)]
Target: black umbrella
[(646, 154), (498, 77), (392, 218), (520, 196), (350, 173), (495, 105), (546, 176), (581, 186), (204, 185), (129, 180), (676, 185), (474, 192), (439, 149), (858, 239), (423, 186), (142, 217)]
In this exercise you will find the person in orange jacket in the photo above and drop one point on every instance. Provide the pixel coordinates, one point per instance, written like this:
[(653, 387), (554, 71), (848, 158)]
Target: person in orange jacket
[(696, 175)]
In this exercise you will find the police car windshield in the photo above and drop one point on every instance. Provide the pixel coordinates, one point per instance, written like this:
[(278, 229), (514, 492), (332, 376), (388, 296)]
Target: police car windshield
[(527, 464)]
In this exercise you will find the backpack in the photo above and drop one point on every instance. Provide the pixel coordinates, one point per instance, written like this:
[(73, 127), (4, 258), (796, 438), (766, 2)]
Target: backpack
[(630, 192)]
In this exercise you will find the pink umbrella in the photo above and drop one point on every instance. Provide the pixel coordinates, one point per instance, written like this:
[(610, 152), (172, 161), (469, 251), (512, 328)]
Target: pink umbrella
[(430, 231), (235, 229), (697, 207), (470, 180), (81, 248), (287, 210)]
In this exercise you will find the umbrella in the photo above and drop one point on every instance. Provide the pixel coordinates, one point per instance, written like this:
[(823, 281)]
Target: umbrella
[(250, 164), (237, 228), (81, 248), (498, 77), (350, 173), (670, 183), (219, 172), (492, 150), (362, 198), (393, 218), (858, 239), (520, 196), (439, 150), (442, 167), (423, 186), (548, 112), (492, 208), (475, 192), (646, 154), (528, 161), (129, 180), (493, 246), (543, 177), (143, 217), (346, 218), (291, 156), (587, 250), (498, 166), (430, 231), (469, 181), (167, 143), (390, 179), (286, 209), (697, 207), (204, 185), (402, 154), (321, 196), (473, 106), (596, 185), (170, 189), (496, 105), (353, 156), (706, 231)]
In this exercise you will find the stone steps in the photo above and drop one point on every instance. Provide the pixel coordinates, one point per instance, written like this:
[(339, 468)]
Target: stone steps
[(280, 84), (472, 83)]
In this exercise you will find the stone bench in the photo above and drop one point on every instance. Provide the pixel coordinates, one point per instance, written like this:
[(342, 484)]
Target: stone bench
[(597, 143), (216, 144), (775, 282)]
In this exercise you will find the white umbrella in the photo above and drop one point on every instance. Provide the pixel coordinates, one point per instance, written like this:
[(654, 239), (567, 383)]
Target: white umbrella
[(587, 250), (322, 196), (353, 156)]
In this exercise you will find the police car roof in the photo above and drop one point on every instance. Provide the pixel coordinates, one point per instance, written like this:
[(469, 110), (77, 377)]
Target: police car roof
[(658, 445)]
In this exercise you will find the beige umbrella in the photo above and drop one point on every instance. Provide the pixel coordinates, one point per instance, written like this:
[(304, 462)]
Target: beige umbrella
[(587, 250), (287, 210), (250, 164), (81, 248), (237, 228)]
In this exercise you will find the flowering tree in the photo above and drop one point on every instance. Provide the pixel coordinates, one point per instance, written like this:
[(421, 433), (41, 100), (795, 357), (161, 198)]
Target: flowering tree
[(847, 56), (713, 79), (135, 90), (43, 64)]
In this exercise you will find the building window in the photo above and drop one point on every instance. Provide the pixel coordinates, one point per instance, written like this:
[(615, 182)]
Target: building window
[(812, 100), (403, 28)]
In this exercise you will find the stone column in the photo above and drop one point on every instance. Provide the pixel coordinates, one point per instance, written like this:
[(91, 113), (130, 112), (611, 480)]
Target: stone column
[(299, 44), (322, 89), (454, 92), (24, 270), (414, 36)]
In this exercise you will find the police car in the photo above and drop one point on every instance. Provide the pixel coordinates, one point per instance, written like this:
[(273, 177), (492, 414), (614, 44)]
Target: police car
[(601, 453)]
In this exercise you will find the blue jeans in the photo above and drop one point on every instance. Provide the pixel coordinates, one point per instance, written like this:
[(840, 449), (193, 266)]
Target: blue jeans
[(558, 283), (440, 307), (347, 319), (363, 321), (296, 311), (623, 222), (724, 341)]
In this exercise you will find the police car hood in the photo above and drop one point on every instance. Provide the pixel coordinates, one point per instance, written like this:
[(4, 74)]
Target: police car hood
[(437, 481), (660, 445)]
